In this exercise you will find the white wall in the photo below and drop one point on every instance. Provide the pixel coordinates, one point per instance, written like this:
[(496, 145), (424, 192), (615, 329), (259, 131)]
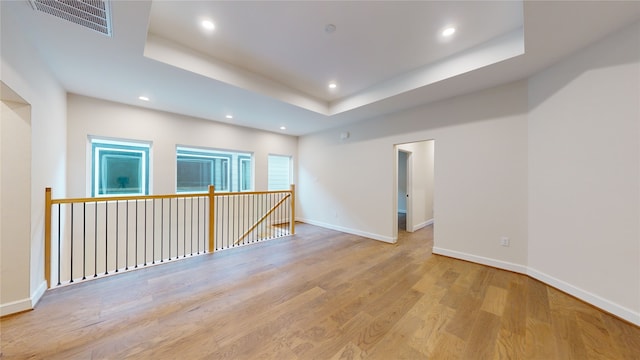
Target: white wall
[(480, 173), (552, 162), (15, 207), (584, 166), (429, 167), (95, 117), (25, 72)]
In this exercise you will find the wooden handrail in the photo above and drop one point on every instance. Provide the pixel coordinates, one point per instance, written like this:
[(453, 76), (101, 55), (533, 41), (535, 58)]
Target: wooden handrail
[(150, 197), (251, 192), (125, 198), (263, 218)]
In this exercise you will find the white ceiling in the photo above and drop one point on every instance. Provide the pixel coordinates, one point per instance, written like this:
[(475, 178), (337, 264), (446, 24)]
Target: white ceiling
[(269, 63), (373, 41)]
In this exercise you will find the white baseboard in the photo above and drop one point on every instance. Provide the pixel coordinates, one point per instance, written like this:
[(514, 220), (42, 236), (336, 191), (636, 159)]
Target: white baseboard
[(505, 265), (23, 304), (15, 306), (378, 237), (37, 295), (422, 224), (595, 300)]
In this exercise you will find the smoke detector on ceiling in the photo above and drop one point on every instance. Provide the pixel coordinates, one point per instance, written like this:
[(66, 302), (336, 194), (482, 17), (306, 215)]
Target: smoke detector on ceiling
[(93, 14)]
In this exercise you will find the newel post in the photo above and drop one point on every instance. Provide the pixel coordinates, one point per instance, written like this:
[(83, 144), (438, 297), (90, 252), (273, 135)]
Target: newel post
[(292, 221), (212, 190), (47, 236)]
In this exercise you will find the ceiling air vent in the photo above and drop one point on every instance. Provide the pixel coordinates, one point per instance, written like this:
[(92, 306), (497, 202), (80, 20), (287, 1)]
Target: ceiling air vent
[(93, 14)]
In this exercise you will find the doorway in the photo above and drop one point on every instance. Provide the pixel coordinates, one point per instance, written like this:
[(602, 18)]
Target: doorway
[(405, 220), (414, 185)]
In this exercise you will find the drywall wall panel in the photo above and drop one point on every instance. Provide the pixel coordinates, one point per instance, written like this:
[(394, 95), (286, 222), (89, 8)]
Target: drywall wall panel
[(24, 70), (15, 204), (100, 118), (584, 174), (480, 183)]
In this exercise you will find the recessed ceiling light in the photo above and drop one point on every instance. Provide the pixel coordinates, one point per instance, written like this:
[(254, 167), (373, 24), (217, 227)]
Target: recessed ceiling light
[(283, 128), (448, 31), (333, 85), (208, 24), (229, 116), (143, 98)]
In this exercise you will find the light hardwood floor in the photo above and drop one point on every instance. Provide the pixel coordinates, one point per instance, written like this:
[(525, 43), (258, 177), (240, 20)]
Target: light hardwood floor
[(318, 295)]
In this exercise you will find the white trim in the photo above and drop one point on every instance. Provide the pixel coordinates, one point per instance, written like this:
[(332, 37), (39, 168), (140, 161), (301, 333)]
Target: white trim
[(378, 237), (117, 141), (37, 295), (97, 146), (23, 304), (15, 307), (586, 296), (505, 265), (423, 224)]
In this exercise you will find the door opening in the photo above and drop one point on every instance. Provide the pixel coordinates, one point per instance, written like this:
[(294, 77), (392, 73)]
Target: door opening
[(413, 188), (404, 199)]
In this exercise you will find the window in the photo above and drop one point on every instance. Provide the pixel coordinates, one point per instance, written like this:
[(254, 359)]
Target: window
[(199, 168), (119, 168), (279, 172), (244, 167)]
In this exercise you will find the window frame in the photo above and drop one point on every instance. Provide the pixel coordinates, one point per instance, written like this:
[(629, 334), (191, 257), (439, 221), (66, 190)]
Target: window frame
[(234, 158), (124, 147), (242, 159), (289, 171)]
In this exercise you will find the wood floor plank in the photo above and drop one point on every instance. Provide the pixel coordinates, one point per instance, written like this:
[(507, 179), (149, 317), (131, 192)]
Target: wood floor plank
[(495, 300), (540, 341), (509, 345), (369, 296), (348, 352), (447, 346), (624, 337), (484, 331), (319, 294), (427, 337), (514, 316), (596, 337), (394, 344), (386, 319), (569, 343), (538, 301), (467, 312)]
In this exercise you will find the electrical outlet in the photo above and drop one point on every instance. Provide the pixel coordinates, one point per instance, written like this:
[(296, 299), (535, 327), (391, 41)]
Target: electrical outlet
[(504, 241)]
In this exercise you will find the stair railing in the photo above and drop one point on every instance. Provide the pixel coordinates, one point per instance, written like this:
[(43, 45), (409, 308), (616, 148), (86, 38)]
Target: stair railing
[(92, 237)]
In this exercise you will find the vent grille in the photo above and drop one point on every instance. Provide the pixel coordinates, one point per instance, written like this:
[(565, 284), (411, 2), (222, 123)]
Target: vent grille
[(93, 14)]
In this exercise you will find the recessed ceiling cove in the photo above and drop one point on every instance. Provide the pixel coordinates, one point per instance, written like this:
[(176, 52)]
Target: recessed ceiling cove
[(376, 50)]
